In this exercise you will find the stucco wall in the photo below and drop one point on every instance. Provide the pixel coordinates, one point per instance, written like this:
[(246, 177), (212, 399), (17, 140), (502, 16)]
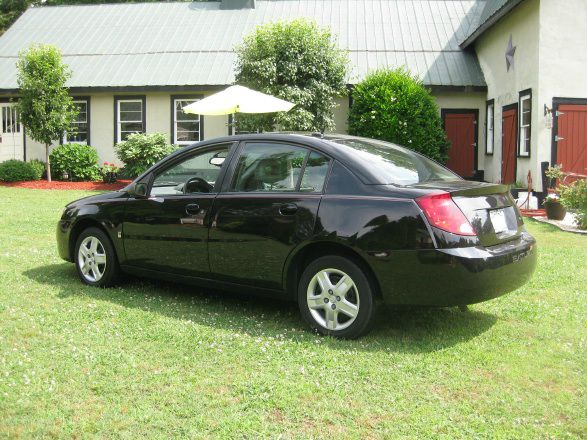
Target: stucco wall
[(523, 24), (562, 61), (341, 115)]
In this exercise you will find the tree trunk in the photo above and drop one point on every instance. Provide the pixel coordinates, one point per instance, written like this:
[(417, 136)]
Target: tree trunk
[(47, 161)]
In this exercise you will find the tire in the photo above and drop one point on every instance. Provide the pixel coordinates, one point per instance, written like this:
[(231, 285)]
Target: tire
[(95, 258), (332, 314)]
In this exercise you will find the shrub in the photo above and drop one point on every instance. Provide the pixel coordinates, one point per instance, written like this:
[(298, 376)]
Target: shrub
[(574, 198), (79, 161), (39, 167), (298, 61), (394, 106), (16, 170), (141, 151)]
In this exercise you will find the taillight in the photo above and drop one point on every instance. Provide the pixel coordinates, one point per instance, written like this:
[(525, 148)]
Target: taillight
[(443, 213)]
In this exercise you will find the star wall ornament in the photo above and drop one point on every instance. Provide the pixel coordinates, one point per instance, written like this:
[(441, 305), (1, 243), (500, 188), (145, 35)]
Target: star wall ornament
[(509, 54)]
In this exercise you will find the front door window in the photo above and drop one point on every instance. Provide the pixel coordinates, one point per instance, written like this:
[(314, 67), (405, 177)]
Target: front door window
[(196, 174)]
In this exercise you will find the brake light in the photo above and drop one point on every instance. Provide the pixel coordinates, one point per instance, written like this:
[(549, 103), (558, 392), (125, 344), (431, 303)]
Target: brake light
[(443, 213)]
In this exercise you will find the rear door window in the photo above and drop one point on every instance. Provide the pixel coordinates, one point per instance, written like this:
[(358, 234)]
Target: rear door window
[(276, 167)]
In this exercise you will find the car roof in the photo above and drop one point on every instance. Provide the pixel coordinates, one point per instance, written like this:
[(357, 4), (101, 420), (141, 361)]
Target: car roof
[(324, 143)]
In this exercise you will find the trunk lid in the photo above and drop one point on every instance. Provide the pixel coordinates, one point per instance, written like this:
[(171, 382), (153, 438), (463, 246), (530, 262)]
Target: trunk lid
[(489, 207)]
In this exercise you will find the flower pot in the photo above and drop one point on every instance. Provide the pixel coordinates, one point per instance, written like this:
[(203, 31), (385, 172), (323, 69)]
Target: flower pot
[(109, 177), (555, 210)]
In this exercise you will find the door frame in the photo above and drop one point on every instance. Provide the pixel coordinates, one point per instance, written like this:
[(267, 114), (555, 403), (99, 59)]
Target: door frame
[(556, 102), (5, 100), (505, 108), (474, 111)]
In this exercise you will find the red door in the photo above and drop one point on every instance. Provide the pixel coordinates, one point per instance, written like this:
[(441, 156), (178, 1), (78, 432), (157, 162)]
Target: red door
[(461, 130), (571, 145), (509, 135)]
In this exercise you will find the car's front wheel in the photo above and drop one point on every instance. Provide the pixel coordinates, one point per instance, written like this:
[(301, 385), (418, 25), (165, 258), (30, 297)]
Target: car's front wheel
[(95, 258), (336, 298)]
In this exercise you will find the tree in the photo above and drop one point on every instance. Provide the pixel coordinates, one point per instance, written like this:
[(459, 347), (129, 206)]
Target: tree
[(394, 106), (296, 61), (45, 107)]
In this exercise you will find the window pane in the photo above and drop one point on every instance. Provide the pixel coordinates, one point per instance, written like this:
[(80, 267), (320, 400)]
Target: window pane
[(194, 175), (188, 126), (80, 137), (79, 133), (179, 113), (82, 109), (315, 173), (489, 139), (188, 136), (131, 106), (131, 126), (526, 118), (269, 167), (526, 104), (131, 116)]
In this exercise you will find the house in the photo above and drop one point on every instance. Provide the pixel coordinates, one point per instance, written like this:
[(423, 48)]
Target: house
[(509, 76)]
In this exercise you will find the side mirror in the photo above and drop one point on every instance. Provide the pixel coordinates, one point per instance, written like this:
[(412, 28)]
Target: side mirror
[(139, 190), (218, 159)]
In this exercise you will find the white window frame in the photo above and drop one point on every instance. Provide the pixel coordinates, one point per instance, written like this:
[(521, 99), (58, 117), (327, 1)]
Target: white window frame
[(175, 121), (119, 122), (524, 130), (87, 121), (489, 127)]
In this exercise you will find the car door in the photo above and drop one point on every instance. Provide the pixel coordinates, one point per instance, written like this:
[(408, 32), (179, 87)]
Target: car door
[(168, 230), (270, 205)]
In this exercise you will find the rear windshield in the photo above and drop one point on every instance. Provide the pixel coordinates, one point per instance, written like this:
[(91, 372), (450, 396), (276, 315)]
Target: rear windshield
[(394, 164)]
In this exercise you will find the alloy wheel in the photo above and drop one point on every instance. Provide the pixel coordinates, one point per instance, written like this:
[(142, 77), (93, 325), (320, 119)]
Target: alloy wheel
[(333, 299), (91, 259)]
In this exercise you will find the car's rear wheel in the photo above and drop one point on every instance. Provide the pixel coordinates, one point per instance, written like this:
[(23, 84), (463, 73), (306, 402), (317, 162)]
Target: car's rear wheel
[(95, 258), (336, 298)]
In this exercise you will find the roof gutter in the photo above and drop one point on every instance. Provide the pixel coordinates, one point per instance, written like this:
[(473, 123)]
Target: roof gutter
[(11, 93), (489, 22)]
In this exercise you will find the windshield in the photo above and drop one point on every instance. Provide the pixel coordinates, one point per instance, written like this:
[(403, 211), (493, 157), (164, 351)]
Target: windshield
[(394, 164)]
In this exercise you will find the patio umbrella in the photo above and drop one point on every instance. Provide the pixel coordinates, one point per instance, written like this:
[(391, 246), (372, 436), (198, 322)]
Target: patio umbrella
[(238, 99)]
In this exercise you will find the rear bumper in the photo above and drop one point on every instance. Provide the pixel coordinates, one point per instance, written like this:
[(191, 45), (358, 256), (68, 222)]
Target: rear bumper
[(458, 276)]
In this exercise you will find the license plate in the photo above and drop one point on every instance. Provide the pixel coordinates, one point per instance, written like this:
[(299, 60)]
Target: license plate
[(498, 220)]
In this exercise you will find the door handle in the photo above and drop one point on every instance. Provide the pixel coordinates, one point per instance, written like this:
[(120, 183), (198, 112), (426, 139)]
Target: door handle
[(288, 209), (192, 209)]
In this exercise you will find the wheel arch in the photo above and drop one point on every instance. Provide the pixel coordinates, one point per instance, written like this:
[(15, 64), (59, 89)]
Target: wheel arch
[(81, 225), (303, 256)]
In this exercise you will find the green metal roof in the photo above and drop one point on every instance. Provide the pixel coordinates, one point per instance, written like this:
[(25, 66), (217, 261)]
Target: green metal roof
[(485, 17), (191, 44)]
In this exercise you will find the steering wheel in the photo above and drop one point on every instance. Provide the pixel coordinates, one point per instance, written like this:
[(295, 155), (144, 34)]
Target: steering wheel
[(197, 185)]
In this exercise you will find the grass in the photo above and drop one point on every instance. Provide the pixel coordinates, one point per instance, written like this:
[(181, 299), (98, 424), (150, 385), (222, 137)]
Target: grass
[(160, 360)]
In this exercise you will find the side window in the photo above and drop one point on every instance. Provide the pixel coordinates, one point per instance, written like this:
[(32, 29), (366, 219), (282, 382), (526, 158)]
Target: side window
[(269, 167), (315, 173), (196, 174)]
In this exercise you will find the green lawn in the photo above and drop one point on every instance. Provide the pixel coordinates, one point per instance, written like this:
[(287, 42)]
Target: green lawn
[(159, 360)]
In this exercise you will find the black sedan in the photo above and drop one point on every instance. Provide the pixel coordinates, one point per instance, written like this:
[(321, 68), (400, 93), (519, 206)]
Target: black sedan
[(337, 223)]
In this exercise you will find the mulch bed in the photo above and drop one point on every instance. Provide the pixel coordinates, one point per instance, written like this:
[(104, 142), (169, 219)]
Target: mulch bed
[(57, 184)]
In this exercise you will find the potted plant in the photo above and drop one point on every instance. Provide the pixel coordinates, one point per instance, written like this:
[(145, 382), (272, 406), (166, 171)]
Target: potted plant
[(109, 172), (554, 208)]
